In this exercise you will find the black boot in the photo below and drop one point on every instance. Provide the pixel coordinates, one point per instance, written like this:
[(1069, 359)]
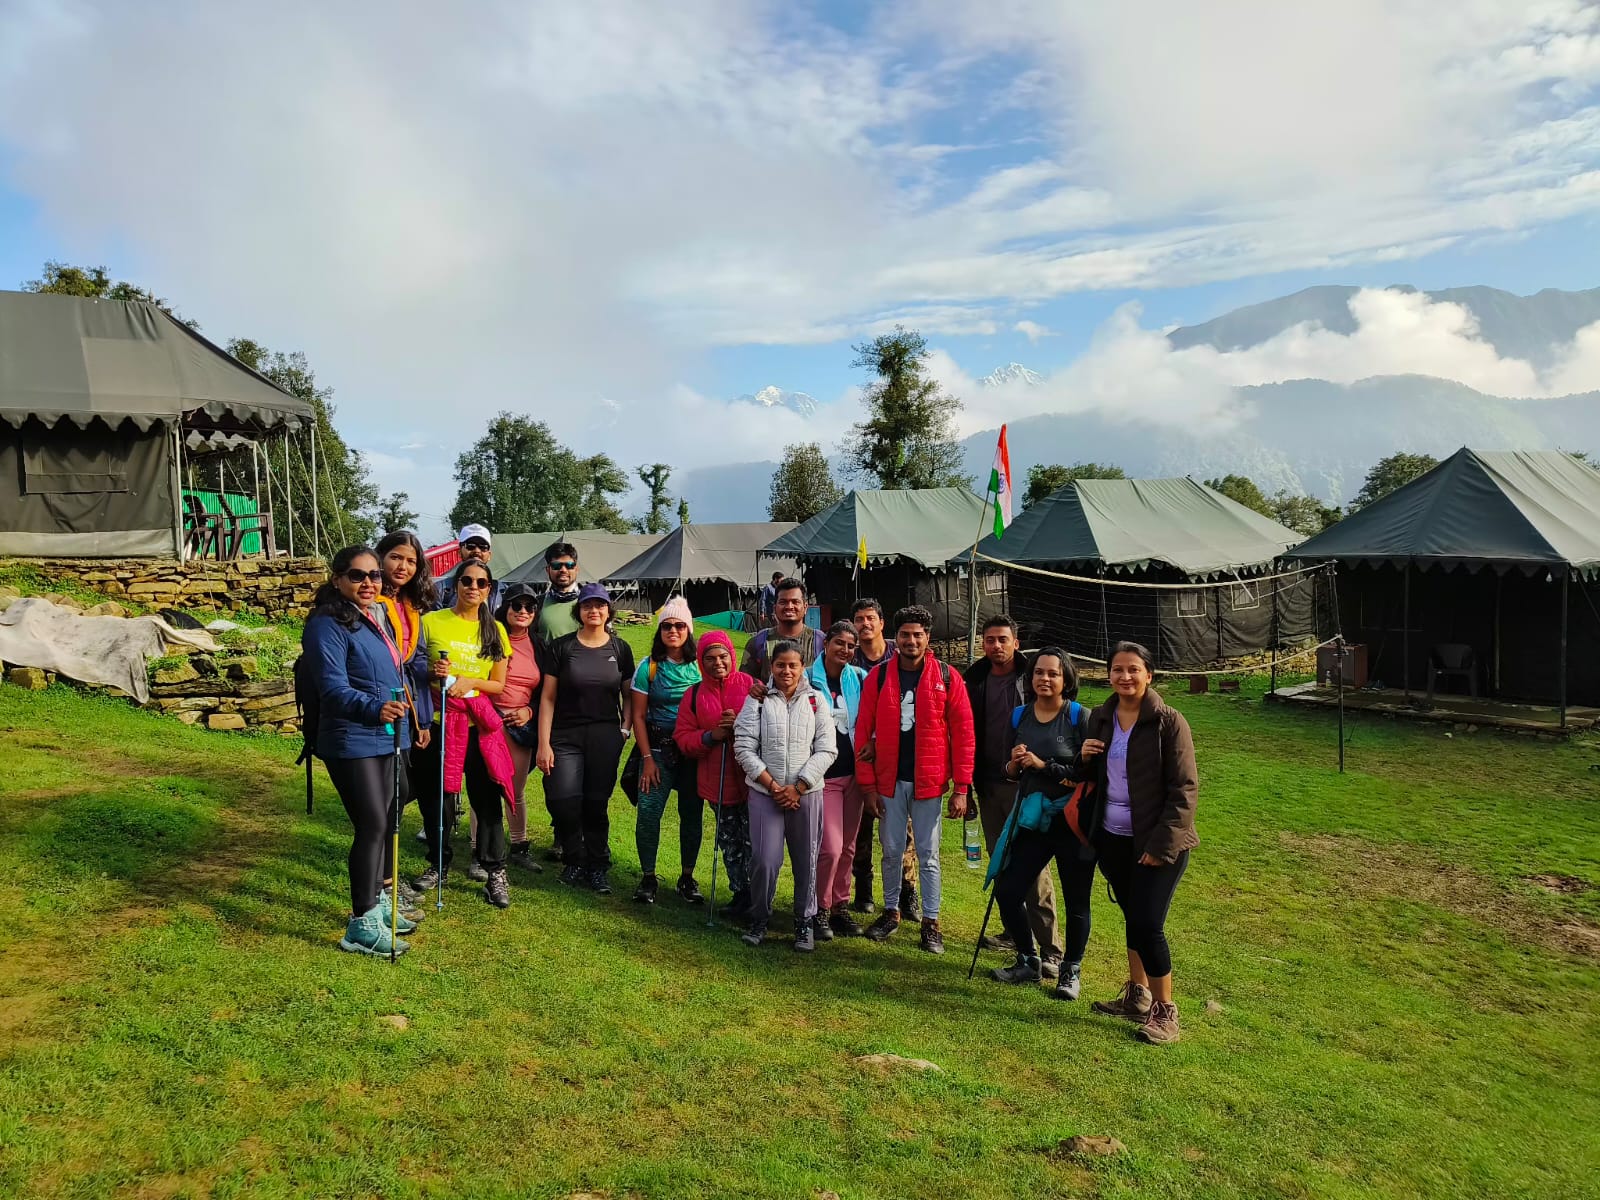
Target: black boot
[(645, 893), (863, 902), (431, 879), (497, 889), (689, 890), (739, 906)]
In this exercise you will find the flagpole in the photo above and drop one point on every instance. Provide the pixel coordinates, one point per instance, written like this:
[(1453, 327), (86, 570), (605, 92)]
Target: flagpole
[(972, 577)]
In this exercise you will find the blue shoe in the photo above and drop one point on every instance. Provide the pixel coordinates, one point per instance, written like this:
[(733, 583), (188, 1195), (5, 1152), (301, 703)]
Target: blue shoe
[(402, 923), (368, 934)]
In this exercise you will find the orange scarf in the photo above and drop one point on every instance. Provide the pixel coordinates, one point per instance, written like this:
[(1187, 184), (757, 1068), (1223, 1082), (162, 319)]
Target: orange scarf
[(406, 622)]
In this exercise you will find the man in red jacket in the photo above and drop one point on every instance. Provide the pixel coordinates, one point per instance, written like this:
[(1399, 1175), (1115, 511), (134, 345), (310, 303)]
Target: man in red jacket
[(913, 737)]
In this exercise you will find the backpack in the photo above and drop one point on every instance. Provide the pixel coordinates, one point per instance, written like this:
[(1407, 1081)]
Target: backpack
[(308, 704), (1074, 714), (1072, 811), (883, 675)]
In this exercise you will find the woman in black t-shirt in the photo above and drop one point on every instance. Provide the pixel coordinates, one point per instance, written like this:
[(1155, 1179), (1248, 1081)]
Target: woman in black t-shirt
[(1045, 743), (587, 675)]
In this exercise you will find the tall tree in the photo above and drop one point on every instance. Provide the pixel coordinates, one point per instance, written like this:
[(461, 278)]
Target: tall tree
[(394, 513), (517, 478), (1303, 514), (802, 486), (908, 439), (95, 283), (346, 495), (683, 511), (1242, 490), (1390, 473), (654, 476), (1045, 480)]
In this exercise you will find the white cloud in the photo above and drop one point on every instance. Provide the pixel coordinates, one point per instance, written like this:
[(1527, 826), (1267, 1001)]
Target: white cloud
[(1033, 331)]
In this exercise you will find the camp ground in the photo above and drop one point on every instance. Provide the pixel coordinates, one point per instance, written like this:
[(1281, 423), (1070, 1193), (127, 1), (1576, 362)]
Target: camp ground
[(717, 568)]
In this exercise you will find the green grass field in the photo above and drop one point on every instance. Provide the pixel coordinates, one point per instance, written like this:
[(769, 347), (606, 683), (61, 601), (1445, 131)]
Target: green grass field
[(1402, 963)]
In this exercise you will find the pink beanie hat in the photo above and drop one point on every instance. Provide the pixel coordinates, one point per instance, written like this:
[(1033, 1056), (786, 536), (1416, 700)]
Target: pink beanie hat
[(676, 609)]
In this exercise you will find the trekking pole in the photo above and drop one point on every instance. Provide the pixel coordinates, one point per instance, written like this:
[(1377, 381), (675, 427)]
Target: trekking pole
[(393, 728), (444, 699), (1008, 831), (716, 837)]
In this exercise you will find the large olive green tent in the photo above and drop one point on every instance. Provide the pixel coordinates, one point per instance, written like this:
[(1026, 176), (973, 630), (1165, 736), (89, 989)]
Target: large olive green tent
[(101, 403), (1131, 533), (1495, 551), (715, 567), (909, 539)]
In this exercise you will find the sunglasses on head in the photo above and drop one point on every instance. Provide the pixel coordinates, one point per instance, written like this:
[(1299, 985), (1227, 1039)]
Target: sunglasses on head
[(522, 606), (364, 576), (473, 581), (564, 565)]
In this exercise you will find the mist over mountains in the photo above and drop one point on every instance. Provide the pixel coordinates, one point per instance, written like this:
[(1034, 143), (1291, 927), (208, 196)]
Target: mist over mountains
[(1309, 435)]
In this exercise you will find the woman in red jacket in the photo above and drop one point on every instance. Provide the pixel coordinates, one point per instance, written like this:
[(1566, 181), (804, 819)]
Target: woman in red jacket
[(1142, 829)]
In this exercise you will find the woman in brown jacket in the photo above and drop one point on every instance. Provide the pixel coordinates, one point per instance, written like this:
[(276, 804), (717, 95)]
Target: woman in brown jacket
[(1142, 829)]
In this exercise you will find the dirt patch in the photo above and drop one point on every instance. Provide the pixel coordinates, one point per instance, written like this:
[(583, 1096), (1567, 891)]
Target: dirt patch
[(1378, 870), (1560, 885)]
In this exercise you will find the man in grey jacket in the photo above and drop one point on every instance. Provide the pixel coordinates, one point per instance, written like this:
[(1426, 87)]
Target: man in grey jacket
[(784, 744)]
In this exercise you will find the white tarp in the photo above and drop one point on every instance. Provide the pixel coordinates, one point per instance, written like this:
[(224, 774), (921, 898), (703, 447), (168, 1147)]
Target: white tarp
[(111, 651)]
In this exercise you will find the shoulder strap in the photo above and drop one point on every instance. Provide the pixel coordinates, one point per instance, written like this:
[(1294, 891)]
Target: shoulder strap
[(883, 675), (1074, 713), (650, 675), (1016, 715), (694, 695)]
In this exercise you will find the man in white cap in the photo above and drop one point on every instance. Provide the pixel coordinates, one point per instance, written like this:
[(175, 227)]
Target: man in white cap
[(473, 542)]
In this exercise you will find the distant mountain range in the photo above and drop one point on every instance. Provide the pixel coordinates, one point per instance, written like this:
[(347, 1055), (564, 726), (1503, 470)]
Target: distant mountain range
[(776, 397), (1303, 435)]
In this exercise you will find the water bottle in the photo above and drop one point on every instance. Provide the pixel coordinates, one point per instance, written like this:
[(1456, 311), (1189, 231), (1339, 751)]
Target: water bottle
[(969, 839)]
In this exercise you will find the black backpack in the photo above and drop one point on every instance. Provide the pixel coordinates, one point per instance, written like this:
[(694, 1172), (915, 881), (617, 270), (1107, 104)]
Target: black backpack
[(308, 703)]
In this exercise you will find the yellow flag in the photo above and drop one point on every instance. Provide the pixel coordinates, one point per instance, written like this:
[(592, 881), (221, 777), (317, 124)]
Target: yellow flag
[(861, 552)]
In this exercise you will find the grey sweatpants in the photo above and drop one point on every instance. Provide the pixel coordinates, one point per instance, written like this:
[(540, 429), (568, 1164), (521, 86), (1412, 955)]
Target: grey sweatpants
[(770, 828), (925, 816)]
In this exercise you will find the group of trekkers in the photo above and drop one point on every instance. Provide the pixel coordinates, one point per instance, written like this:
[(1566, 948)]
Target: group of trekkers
[(424, 691)]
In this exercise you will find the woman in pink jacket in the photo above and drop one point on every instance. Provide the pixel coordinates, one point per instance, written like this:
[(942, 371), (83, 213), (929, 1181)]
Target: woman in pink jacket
[(704, 732)]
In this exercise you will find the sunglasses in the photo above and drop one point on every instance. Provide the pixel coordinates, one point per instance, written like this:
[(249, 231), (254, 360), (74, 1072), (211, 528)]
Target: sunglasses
[(522, 606), (562, 566), (364, 576), (473, 582), (673, 625), (474, 544)]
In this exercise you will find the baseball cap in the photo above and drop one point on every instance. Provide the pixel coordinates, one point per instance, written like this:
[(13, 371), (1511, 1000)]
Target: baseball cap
[(468, 532), (593, 591)]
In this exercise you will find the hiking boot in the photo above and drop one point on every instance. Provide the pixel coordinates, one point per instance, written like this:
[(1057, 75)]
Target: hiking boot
[(990, 942), (408, 895), (599, 883), (1161, 1029), (645, 893), (1050, 966), (521, 857), (553, 854), (805, 940), (755, 934), (842, 923), (1132, 1003), (367, 934), (1067, 985), (497, 888), (1024, 970), (932, 940), (431, 879), (422, 835), (821, 928), (476, 871), (689, 890), (908, 899), (402, 922), (863, 902), (883, 928), (574, 876), (739, 906)]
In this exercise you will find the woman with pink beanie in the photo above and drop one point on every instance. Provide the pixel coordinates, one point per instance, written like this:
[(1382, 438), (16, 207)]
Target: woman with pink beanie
[(658, 687)]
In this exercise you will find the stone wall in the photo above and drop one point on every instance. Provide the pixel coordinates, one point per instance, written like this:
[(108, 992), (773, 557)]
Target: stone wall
[(273, 588), (219, 692)]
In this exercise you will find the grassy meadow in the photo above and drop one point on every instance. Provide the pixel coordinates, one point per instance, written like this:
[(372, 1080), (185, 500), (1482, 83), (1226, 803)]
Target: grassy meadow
[(1387, 983)]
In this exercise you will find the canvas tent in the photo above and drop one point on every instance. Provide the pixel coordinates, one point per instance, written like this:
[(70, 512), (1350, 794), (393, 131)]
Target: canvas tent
[(1498, 551), (1131, 532), (716, 568), (910, 538), (600, 552), (101, 404)]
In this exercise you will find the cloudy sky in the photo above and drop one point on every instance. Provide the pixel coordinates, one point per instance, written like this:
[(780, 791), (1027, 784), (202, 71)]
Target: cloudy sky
[(617, 215)]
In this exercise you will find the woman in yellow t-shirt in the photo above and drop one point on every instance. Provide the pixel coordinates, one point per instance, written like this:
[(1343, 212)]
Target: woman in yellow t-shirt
[(478, 650)]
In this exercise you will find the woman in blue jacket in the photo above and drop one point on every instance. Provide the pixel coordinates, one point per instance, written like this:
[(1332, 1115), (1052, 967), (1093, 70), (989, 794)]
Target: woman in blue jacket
[(356, 667)]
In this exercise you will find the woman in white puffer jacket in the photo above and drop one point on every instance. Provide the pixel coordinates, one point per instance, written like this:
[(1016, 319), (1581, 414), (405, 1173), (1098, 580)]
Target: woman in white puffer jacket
[(784, 743)]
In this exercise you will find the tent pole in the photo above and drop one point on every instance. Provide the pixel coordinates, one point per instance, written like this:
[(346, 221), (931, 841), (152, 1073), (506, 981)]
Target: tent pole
[(1272, 687), (1405, 628), (316, 521), (177, 486), (288, 492), (1499, 582), (1564, 574)]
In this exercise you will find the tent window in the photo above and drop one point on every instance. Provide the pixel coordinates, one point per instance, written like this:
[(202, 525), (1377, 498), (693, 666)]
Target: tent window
[(994, 583), (1246, 595), (1191, 604), (66, 459)]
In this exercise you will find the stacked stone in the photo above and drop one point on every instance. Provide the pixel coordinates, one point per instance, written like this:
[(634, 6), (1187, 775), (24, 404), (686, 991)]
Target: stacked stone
[(270, 587)]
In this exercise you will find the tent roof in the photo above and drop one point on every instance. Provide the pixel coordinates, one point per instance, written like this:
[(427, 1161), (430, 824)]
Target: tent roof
[(704, 553), (1130, 524), (79, 359), (929, 527), (1500, 509), (600, 552)]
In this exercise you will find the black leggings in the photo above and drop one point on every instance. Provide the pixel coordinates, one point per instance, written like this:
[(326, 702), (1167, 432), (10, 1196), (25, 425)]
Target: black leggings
[(1144, 894), (366, 787), (483, 793), (1030, 852), (579, 790)]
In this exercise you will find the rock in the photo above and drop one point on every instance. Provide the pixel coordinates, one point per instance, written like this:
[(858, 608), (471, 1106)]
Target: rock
[(1472, 729), (112, 588), (395, 1021), (31, 678), (273, 716), (261, 688), (192, 717), (887, 1061), (109, 608), (241, 668), (182, 673), (1091, 1144), (1213, 1007), (178, 704), (225, 721), (7, 592)]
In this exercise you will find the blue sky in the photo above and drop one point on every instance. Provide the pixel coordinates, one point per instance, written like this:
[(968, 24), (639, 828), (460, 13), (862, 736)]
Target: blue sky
[(618, 215)]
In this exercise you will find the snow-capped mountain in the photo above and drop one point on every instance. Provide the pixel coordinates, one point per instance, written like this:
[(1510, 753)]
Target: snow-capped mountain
[(1009, 374), (775, 397)]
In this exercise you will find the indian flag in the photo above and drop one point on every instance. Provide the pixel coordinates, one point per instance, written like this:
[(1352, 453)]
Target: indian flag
[(1000, 485)]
